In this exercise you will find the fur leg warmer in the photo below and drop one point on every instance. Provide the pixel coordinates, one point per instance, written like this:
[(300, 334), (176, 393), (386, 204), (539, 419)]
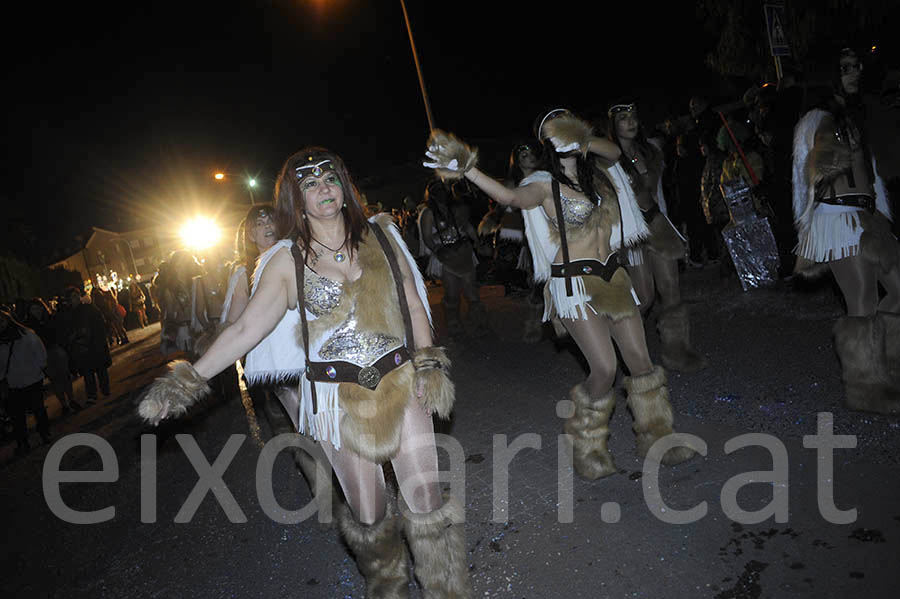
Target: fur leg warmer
[(172, 394), (438, 543), (434, 387), (860, 343), (648, 398), (674, 326), (590, 428), (380, 554)]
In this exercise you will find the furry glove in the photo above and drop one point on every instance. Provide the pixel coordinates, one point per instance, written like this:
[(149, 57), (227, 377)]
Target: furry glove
[(450, 156), (433, 385), (568, 133), (172, 394)]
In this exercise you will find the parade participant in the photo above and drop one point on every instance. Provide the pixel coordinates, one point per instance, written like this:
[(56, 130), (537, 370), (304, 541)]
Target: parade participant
[(653, 263), (82, 332), (576, 229), (177, 283), (842, 216), (451, 239), (370, 377)]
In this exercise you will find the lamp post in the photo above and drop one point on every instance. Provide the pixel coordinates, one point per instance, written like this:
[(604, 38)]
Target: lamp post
[(222, 176)]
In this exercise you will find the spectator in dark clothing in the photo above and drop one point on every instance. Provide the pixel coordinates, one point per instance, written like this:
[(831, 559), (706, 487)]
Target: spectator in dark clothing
[(23, 359), (40, 320), (83, 334), (688, 170)]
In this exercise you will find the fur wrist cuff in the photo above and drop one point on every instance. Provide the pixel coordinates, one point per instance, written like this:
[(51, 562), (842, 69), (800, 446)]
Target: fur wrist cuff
[(452, 156), (433, 385), (569, 129), (173, 393)]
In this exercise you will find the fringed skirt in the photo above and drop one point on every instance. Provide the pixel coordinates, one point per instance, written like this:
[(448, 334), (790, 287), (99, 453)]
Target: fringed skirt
[(615, 299), (833, 233)]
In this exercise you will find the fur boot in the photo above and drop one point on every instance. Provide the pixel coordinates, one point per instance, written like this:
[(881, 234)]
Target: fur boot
[(380, 554), (648, 398), (674, 326), (861, 347), (590, 428), (438, 543)]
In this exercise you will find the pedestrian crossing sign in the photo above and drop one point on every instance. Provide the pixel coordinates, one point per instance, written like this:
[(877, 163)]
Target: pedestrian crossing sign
[(775, 22)]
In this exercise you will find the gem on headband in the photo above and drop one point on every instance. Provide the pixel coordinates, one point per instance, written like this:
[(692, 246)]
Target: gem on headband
[(316, 169)]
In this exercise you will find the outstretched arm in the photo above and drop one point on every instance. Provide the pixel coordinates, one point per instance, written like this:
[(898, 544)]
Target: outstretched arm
[(262, 314), (527, 196)]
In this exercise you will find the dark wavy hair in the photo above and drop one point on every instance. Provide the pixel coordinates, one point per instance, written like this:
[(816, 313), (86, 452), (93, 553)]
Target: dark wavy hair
[(290, 207), (514, 173), (592, 181)]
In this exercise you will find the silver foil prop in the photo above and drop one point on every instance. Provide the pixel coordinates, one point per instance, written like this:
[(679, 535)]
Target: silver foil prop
[(749, 238)]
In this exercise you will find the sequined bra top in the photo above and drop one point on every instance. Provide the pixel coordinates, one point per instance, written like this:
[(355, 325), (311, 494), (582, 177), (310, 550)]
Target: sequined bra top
[(576, 211), (348, 342), (322, 294)]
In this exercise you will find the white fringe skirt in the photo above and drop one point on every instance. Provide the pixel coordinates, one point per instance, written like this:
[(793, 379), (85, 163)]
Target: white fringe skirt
[(833, 233)]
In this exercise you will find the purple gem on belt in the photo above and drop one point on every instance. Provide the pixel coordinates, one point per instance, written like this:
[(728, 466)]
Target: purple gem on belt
[(586, 270), (331, 372), (397, 358)]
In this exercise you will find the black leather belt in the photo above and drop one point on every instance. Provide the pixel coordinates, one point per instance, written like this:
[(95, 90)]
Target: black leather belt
[(347, 372), (592, 268), (855, 201)]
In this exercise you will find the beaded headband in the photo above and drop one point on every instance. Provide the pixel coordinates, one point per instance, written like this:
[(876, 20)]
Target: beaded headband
[(316, 170), (617, 108)]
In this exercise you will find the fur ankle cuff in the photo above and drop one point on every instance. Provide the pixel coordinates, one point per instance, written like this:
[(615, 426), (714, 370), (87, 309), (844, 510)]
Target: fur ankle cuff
[(172, 394), (433, 385)]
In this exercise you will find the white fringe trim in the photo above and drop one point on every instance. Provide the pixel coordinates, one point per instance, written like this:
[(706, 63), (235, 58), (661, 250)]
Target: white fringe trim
[(324, 425), (634, 256), (522, 263), (574, 306), (512, 235), (833, 233)]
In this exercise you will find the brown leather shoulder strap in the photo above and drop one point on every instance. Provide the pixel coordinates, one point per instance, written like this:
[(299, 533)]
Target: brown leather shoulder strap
[(561, 224), (300, 270), (398, 281)]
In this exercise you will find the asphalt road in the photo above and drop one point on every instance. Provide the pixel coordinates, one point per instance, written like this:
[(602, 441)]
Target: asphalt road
[(773, 373)]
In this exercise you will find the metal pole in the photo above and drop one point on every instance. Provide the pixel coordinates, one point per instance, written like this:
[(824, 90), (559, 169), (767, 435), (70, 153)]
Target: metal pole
[(740, 150), (412, 44)]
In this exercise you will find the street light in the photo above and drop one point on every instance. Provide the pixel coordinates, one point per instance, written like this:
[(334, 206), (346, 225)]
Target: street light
[(221, 176)]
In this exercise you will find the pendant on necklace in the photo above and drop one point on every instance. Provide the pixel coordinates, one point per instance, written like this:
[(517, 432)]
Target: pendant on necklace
[(339, 257)]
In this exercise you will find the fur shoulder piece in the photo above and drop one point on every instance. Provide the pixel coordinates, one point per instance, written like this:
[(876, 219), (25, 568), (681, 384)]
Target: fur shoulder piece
[(386, 222), (804, 139)]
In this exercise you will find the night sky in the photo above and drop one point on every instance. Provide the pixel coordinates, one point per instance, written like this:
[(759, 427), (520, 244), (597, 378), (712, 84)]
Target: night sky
[(118, 114)]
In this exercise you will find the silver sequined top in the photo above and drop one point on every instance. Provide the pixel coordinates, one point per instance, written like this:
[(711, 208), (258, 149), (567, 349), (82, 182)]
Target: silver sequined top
[(576, 211), (322, 294), (347, 342)]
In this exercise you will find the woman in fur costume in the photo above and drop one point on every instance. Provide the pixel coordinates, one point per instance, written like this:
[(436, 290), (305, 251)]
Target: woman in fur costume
[(653, 264), (842, 215), (370, 378), (576, 227)]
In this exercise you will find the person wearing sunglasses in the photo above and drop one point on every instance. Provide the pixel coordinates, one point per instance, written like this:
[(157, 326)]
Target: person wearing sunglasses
[(576, 229), (653, 264), (842, 215)]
